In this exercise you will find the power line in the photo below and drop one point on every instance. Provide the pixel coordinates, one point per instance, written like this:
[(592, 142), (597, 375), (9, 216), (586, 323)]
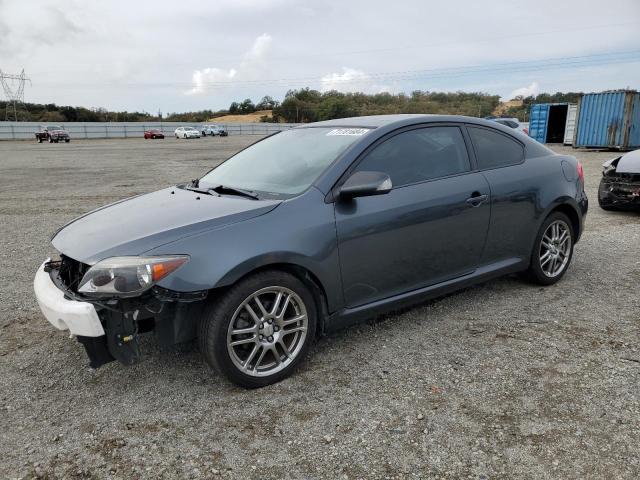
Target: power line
[(608, 58), (14, 95)]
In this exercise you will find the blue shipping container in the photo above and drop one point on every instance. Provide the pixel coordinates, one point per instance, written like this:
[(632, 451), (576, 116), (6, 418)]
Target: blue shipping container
[(548, 121), (538, 121), (609, 120)]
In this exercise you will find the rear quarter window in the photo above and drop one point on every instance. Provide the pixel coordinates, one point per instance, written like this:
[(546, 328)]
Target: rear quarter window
[(494, 149)]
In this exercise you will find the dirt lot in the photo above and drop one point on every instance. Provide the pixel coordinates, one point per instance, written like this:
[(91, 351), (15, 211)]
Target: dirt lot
[(504, 380)]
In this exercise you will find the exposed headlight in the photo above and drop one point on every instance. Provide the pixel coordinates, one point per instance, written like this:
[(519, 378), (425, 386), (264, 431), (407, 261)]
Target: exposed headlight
[(128, 276)]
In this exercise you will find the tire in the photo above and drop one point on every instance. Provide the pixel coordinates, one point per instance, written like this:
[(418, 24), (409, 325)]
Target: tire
[(265, 336), (50, 140), (185, 136), (542, 270), (67, 140), (39, 139)]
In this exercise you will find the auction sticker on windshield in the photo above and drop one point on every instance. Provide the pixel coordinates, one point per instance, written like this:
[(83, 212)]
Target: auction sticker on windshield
[(348, 131)]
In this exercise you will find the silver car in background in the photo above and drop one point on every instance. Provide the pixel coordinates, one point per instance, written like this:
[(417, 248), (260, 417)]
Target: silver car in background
[(213, 130), (511, 123)]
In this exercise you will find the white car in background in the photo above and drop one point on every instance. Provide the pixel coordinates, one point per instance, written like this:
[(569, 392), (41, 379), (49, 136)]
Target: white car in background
[(186, 132)]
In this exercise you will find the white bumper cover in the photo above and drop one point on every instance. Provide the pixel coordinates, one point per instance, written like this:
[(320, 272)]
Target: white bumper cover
[(80, 318)]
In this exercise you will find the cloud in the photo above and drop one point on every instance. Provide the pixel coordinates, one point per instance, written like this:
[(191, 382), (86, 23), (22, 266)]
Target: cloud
[(252, 65), (351, 80), (202, 78), (531, 90), (259, 50)]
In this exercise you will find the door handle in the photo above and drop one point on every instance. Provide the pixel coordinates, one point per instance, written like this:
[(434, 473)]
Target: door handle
[(476, 199)]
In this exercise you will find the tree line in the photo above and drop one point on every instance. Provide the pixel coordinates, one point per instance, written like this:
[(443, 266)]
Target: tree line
[(304, 105), (307, 105), (52, 113)]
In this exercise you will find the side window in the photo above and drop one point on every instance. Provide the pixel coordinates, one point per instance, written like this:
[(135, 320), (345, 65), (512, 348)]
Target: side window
[(419, 155), (494, 149)]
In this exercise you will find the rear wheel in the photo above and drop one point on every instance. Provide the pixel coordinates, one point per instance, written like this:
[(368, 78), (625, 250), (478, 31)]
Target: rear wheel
[(39, 139), (258, 331), (552, 250)]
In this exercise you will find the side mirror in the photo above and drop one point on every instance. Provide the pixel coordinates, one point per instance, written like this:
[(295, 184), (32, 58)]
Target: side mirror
[(365, 184)]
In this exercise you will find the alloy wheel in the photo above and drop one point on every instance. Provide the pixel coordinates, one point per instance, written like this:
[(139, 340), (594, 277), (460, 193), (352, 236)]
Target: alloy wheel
[(555, 248), (267, 331)]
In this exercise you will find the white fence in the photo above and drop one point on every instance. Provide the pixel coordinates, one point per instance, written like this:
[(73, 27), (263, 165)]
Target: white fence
[(26, 130)]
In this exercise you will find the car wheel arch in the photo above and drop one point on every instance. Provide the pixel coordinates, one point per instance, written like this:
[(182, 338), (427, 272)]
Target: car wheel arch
[(566, 206), (304, 274)]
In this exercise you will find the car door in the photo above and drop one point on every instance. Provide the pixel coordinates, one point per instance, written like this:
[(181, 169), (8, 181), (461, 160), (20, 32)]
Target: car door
[(430, 228), (515, 186)]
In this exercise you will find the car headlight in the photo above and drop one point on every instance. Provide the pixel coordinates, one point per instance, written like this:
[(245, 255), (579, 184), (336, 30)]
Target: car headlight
[(128, 276)]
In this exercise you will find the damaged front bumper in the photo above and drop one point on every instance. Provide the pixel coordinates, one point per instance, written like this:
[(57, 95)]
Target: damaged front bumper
[(619, 192), (109, 328)]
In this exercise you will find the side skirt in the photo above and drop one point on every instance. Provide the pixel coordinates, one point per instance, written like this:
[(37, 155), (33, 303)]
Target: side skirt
[(350, 316)]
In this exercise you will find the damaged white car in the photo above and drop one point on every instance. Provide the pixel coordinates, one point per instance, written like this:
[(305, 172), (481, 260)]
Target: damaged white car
[(620, 184)]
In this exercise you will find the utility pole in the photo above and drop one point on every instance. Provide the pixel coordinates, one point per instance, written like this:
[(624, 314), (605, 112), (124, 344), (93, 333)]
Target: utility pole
[(14, 94)]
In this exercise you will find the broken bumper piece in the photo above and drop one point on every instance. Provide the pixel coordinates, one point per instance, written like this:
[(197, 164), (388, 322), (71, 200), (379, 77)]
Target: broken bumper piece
[(109, 328), (619, 194)]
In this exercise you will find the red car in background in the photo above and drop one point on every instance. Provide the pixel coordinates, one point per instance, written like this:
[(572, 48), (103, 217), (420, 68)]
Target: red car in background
[(153, 134)]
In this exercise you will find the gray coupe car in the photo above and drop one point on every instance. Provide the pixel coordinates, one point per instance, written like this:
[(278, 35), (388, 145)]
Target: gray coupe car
[(309, 230)]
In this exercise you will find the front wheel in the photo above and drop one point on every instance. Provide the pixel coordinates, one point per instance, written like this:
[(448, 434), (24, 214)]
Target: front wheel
[(39, 139), (552, 250), (258, 331), (50, 140)]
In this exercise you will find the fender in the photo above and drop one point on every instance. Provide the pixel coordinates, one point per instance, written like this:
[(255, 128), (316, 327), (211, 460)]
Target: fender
[(331, 285), (560, 202)]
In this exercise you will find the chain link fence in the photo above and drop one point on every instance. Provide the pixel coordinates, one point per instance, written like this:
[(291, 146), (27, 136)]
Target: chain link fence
[(27, 130)]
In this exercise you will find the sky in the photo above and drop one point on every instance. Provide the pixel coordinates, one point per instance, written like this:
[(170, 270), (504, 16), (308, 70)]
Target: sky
[(174, 56)]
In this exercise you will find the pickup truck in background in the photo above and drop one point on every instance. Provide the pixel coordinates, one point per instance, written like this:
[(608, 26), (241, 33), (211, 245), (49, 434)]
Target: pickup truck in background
[(52, 133)]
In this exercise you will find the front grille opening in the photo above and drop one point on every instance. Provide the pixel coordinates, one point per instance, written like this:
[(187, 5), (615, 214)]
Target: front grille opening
[(71, 272)]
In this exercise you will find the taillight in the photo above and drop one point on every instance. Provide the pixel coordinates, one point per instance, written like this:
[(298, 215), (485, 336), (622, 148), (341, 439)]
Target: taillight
[(525, 130), (580, 172)]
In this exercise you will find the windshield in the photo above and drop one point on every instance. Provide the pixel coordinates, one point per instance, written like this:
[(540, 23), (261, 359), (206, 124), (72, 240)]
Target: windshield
[(286, 163), (54, 127)]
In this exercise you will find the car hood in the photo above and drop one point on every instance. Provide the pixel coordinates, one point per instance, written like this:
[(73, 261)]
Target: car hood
[(629, 163), (136, 225)]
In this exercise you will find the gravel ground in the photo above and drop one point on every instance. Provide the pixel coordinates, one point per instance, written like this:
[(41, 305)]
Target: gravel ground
[(503, 380)]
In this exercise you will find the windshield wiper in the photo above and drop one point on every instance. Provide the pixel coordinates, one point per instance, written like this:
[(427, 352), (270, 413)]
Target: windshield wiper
[(234, 191), (194, 186)]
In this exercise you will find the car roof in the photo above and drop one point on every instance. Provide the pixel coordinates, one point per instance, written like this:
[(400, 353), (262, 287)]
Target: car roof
[(375, 121)]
